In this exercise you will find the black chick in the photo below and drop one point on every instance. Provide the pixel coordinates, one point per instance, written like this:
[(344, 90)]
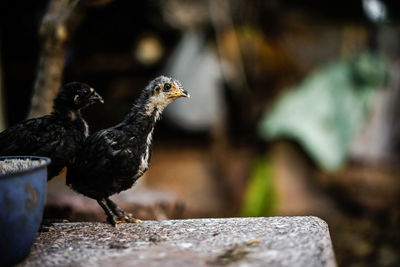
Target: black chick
[(113, 159), (59, 135)]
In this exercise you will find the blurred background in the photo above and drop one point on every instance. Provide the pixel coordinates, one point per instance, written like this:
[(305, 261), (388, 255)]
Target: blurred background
[(294, 106)]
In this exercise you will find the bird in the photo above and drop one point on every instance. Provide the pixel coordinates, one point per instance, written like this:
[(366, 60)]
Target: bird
[(113, 159), (58, 135)]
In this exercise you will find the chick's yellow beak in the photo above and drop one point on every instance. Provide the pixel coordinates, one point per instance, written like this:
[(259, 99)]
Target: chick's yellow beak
[(184, 93), (179, 92)]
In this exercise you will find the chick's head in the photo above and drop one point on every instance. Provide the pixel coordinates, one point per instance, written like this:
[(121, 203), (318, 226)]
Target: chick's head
[(77, 95), (164, 90)]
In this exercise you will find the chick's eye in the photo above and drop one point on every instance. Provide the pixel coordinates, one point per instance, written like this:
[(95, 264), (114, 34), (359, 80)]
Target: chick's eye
[(167, 86)]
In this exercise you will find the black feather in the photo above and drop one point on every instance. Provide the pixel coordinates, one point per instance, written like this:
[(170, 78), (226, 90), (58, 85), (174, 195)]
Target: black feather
[(58, 136), (112, 159)]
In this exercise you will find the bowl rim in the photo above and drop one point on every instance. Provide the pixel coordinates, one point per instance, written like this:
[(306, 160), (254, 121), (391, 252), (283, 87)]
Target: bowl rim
[(46, 160)]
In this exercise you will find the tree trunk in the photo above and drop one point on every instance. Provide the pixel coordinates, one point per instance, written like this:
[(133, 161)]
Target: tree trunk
[(54, 32)]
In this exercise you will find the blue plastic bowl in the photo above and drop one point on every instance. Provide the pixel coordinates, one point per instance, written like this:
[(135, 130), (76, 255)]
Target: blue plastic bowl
[(22, 198)]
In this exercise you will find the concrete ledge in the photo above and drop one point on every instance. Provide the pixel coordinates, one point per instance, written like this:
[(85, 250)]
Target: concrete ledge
[(272, 241)]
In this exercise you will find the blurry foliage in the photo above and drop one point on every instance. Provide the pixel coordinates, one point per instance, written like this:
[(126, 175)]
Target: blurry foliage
[(260, 197), (326, 110)]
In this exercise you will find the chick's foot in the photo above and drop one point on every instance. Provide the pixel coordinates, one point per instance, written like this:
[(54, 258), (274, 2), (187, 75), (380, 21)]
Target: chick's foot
[(122, 215)]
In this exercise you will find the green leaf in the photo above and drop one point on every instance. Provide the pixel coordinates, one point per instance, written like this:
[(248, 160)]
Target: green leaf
[(260, 196)]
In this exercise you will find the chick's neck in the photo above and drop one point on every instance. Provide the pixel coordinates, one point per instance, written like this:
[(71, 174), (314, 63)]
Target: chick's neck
[(67, 113), (143, 116)]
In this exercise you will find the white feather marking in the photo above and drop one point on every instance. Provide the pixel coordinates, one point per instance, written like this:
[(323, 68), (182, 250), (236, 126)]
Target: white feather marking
[(86, 132), (144, 160), (74, 116), (159, 102)]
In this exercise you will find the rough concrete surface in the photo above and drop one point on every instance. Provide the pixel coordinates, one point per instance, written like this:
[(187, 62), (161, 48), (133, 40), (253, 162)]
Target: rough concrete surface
[(272, 241)]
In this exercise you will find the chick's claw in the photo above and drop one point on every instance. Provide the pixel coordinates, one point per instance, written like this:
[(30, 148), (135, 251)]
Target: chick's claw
[(122, 215), (115, 220), (125, 216), (132, 220)]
